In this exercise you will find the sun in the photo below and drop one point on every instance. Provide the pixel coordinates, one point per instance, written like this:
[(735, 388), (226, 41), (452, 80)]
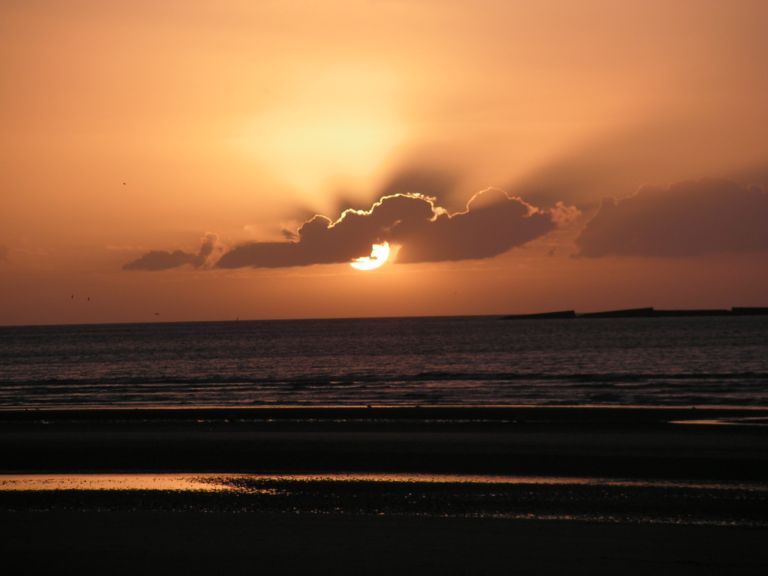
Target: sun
[(379, 255)]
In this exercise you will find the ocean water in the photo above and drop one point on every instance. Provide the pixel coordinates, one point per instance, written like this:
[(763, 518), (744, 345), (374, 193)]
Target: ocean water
[(472, 361)]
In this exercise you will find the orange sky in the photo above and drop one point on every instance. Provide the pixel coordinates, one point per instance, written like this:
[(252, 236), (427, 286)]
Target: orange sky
[(132, 127)]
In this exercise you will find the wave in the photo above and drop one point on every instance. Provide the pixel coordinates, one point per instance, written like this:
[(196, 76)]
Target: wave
[(597, 379), (427, 388)]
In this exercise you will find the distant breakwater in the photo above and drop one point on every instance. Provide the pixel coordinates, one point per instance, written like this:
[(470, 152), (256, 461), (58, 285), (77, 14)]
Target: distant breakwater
[(641, 313)]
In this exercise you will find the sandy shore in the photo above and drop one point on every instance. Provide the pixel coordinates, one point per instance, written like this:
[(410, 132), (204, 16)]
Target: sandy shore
[(556, 441), (215, 543), (688, 503)]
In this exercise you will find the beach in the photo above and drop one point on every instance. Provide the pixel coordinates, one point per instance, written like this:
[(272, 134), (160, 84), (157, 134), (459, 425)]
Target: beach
[(463, 445), (200, 543), (384, 287), (382, 490), (598, 441)]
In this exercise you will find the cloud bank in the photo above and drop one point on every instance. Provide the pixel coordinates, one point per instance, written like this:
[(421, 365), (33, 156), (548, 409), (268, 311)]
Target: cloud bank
[(163, 260), (687, 219), (492, 223)]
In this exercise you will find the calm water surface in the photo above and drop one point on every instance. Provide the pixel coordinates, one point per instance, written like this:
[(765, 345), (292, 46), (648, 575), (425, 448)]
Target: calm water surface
[(401, 361)]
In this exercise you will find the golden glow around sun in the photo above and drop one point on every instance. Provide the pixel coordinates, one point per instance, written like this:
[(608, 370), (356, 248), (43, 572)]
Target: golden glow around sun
[(340, 128), (379, 255)]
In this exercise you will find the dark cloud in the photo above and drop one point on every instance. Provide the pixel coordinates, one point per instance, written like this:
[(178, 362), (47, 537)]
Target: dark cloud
[(163, 260), (207, 248), (492, 223), (686, 219), (160, 260)]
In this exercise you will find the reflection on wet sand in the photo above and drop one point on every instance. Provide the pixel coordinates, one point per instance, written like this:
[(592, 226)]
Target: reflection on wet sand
[(743, 421), (406, 478), (225, 482), (175, 482), (611, 500)]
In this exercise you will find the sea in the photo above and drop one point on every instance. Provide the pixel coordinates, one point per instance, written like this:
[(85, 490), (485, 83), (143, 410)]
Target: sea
[(445, 361)]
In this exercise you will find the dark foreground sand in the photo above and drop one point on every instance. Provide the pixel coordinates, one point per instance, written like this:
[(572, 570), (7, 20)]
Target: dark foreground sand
[(336, 528), (559, 441), (215, 543)]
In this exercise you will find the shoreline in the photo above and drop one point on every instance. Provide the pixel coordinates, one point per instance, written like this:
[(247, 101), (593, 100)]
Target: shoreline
[(597, 442), (195, 542), (367, 411), (687, 503)]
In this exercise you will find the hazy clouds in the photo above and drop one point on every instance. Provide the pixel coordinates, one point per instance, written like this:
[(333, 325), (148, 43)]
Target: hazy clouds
[(164, 260), (686, 219)]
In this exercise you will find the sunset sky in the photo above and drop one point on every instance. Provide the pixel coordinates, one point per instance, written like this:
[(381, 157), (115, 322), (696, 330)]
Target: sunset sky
[(185, 160)]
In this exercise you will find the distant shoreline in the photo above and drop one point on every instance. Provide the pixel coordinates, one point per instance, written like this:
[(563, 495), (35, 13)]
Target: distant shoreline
[(648, 312), (642, 313)]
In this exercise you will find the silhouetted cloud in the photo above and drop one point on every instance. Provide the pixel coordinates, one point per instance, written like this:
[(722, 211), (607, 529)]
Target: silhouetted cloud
[(207, 247), (492, 223), (160, 260), (164, 260), (687, 219)]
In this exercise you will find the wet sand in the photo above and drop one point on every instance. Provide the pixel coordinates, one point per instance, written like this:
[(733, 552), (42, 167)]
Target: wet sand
[(603, 442), (675, 498), (216, 543)]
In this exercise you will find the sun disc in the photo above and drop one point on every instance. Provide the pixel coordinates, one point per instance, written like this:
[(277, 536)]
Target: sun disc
[(379, 255)]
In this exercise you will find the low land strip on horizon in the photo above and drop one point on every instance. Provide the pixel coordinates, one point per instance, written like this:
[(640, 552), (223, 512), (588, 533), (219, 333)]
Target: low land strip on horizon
[(643, 313)]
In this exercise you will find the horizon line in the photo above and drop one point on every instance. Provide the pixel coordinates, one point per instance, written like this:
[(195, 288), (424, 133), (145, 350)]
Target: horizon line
[(638, 312)]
